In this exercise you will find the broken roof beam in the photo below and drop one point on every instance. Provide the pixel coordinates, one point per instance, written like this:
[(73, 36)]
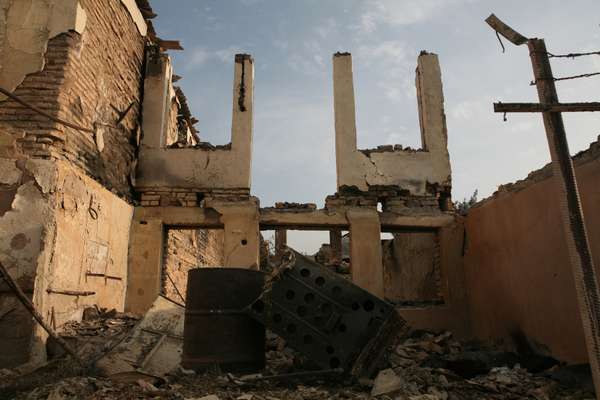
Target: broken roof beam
[(509, 33), (169, 44), (536, 107)]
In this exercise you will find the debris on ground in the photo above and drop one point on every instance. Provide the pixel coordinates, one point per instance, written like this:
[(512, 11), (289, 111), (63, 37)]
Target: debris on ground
[(422, 366)]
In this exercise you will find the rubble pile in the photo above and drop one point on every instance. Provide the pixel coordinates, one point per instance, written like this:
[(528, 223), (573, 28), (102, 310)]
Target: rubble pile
[(423, 366), (99, 331)]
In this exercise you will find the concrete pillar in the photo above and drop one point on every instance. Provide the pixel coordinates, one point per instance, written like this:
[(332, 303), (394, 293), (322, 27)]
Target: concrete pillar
[(156, 106), (243, 110), (280, 242), (241, 244), (365, 250), (335, 244), (430, 97), (345, 115), (146, 242)]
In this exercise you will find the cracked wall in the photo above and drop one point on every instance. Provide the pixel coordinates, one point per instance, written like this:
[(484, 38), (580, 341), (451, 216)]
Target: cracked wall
[(88, 69), (63, 237), (421, 172), (26, 26)]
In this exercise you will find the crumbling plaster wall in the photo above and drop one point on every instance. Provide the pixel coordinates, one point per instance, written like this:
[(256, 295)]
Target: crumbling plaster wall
[(84, 65), (61, 233), (517, 265), (420, 172), (25, 28)]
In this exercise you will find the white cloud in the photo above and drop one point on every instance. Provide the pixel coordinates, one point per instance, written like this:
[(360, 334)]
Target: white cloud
[(390, 53), (201, 55), (396, 12), (309, 60), (226, 55), (394, 61), (327, 29), (198, 57)]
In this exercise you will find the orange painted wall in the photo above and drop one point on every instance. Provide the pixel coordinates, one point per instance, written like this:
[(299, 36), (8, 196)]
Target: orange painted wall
[(517, 269)]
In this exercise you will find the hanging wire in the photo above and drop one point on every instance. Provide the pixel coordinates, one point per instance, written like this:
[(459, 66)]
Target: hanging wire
[(500, 40), (573, 55)]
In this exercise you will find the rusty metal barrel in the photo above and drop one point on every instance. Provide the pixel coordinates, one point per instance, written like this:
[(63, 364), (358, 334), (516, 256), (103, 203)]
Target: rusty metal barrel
[(216, 331)]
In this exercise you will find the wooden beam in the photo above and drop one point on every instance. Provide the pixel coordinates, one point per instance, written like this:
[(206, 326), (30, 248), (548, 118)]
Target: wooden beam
[(509, 33), (170, 44), (536, 107)]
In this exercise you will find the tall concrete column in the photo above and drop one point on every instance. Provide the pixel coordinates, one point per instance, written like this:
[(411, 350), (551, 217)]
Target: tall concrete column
[(156, 106), (365, 250), (146, 243), (280, 242), (345, 116), (243, 111), (430, 97), (335, 244)]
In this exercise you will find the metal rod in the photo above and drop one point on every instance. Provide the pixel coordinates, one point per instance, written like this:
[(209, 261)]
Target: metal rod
[(43, 113), (70, 292), (175, 286), (29, 306), (536, 107)]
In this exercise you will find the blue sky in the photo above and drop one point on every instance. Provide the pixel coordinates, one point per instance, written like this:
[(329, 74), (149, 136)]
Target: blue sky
[(292, 43)]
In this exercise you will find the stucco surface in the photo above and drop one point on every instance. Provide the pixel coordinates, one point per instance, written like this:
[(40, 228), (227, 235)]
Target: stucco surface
[(63, 232), (25, 28), (517, 265)]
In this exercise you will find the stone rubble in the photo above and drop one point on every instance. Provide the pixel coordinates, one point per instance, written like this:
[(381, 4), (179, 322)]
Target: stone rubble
[(423, 366)]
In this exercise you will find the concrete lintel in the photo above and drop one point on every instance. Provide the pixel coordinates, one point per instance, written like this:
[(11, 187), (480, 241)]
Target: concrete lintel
[(196, 217), (325, 220)]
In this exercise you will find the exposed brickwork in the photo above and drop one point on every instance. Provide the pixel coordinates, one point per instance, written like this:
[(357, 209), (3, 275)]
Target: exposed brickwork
[(186, 249), (187, 197), (173, 197), (85, 80)]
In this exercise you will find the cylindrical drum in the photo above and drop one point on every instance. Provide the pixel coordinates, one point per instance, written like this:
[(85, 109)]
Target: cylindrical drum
[(216, 331)]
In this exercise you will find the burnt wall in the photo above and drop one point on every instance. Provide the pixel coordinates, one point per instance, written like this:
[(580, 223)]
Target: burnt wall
[(517, 265)]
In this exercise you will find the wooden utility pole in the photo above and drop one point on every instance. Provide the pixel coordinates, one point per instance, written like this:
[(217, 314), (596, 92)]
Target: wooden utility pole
[(582, 265)]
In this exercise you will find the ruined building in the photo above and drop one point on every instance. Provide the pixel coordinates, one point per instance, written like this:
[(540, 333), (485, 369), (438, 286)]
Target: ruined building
[(108, 195)]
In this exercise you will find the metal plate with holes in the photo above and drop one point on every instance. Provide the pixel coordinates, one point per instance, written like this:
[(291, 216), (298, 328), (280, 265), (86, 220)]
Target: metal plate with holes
[(329, 319)]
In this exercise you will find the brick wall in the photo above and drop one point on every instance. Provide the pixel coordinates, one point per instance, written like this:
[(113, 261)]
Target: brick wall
[(186, 249), (86, 79)]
